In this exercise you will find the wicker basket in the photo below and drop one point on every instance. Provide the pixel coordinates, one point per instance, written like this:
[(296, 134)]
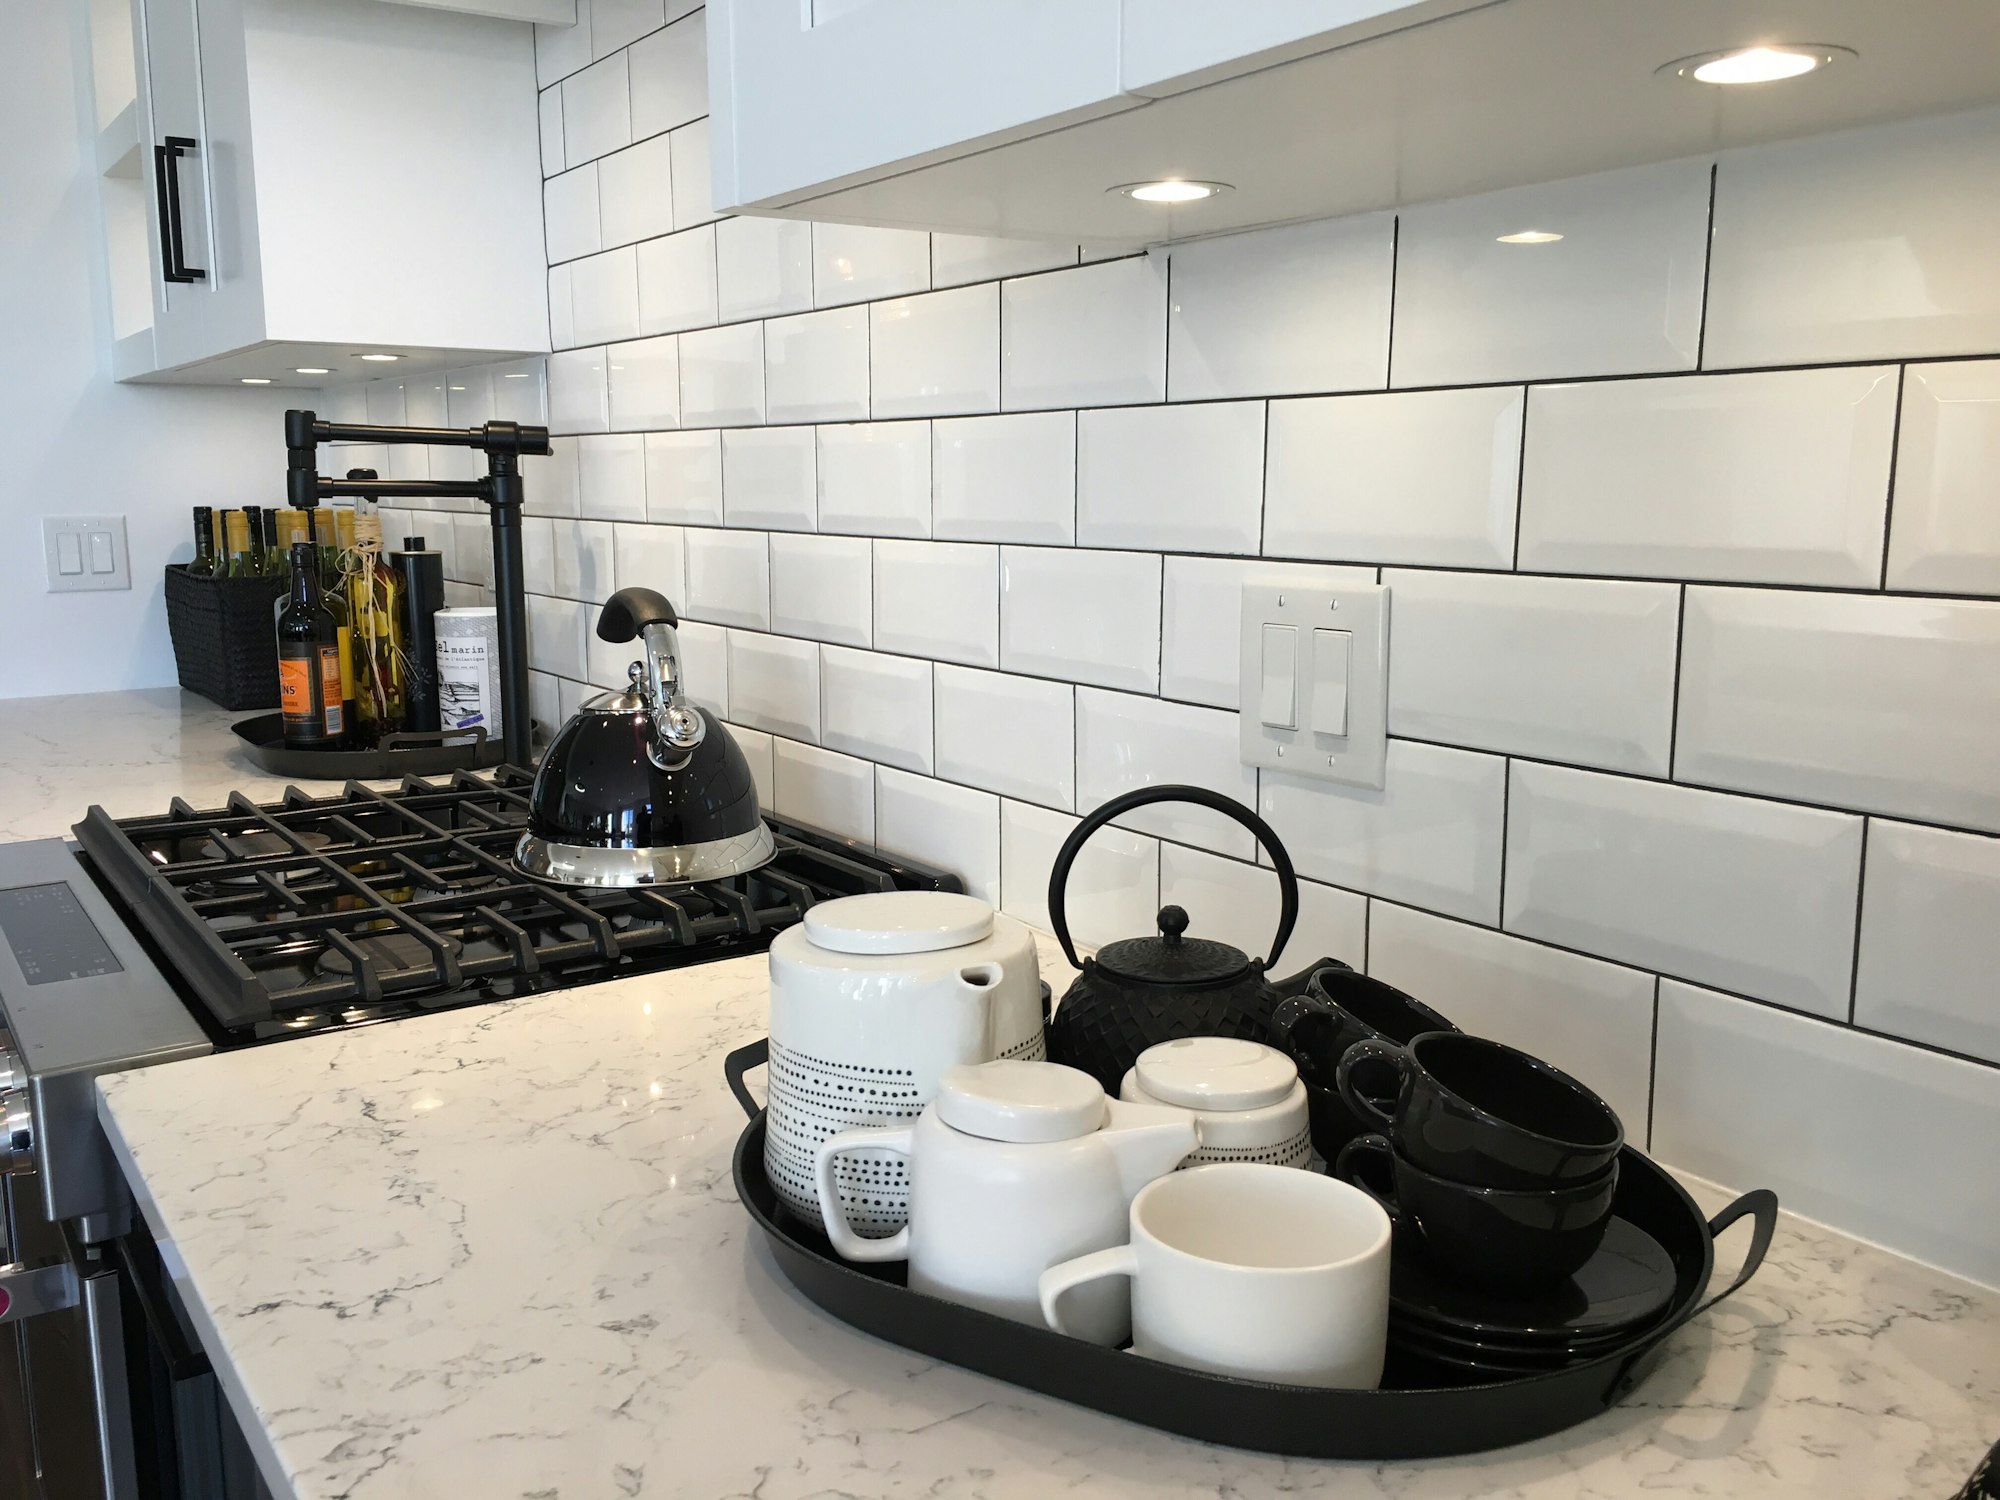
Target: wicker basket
[(225, 637)]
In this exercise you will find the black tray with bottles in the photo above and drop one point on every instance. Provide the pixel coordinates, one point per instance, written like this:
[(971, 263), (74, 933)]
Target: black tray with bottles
[(410, 753), (1415, 1413)]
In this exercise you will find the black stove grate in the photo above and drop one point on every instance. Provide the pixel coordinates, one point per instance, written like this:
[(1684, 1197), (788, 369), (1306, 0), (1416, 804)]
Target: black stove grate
[(291, 917)]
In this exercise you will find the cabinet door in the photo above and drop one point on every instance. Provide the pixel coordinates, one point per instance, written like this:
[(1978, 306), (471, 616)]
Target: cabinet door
[(179, 173), (809, 95), (1170, 46)]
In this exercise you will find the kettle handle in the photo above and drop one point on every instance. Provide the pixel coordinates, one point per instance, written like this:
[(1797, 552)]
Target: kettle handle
[(1201, 796)]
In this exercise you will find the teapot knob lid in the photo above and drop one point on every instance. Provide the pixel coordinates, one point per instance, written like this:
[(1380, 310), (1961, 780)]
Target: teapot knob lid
[(1173, 922)]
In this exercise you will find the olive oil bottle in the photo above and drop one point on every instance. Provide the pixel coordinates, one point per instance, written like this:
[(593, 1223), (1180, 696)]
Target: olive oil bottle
[(375, 624)]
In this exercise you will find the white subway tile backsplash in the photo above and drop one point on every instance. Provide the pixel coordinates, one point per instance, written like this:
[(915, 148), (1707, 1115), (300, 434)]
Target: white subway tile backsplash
[(1012, 735), (597, 114), (1202, 616), (692, 203), (857, 263), (705, 657), (820, 587), (1754, 896), (550, 482), (875, 478), (579, 399), (616, 24), (1620, 291), (816, 366), (651, 557), (1185, 478), (1866, 244), (774, 684), (938, 599), (1778, 477), (556, 636), (1944, 529), (1930, 938), (760, 752), (949, 827), (604, 297), (1236, 903), (763, 267), (1113, 890), (1005, 479), (1124, 742), (635, 192), (611, 472), (472, 548), (1879, 703), (538, 555), (768, 478), (518, 391), (1094, 336), (684, 477), (1592, 1019), (1578, 670), (957, 259), (562, 324), (584, 562), (561, 50), (936, 354), (670, 77), (1084, 616), (1846, 1128), (877, 706), (722, 376), (1431, 836), (645, 377), (1282, 311), (728, 577), (1410, 477), (677, 281), (835, 793), (544, 697), (569, 214)]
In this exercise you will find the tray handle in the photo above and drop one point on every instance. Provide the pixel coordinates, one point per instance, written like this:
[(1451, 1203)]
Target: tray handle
[(755, 1055), (1759, 1205)]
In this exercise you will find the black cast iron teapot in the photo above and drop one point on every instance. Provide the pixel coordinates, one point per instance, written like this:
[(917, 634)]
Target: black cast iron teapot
[(1139, 991)]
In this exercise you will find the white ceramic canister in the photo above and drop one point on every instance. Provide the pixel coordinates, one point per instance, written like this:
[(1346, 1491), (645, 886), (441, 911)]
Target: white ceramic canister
[(1247, 1097), (872, 999)]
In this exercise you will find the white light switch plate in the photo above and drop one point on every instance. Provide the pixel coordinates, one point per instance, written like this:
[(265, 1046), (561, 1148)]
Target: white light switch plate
[(1339, 632), (86, 552)]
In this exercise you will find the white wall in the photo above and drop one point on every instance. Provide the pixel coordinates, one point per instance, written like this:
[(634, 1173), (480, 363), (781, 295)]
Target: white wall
[(75, 442)]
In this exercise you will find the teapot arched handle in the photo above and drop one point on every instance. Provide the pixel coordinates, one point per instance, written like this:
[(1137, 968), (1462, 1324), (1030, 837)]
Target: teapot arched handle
[(1200, 796)]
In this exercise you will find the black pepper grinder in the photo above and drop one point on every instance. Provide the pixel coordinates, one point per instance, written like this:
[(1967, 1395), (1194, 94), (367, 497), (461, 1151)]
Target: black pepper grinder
[(422, 572)]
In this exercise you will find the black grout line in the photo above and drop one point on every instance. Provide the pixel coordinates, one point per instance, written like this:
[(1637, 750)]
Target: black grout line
[(1520, 484), (1707, 267), (1395, 265), (1506, 827), (1895, 447), (1653, 1064), (1860, 896), (1674, 701)]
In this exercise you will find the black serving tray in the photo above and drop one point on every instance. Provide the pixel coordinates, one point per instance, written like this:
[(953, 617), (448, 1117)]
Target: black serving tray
[(411, 753), (1411, 1417)]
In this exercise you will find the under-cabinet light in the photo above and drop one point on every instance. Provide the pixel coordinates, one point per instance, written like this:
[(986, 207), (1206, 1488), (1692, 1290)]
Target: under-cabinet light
[(1171, 190), (1768, 63), (1529, 237)]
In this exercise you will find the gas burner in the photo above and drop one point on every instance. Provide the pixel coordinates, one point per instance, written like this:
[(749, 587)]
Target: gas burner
[(391, 952)]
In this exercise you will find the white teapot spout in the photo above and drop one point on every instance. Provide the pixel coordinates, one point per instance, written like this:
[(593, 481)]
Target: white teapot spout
[(1146, 1141)]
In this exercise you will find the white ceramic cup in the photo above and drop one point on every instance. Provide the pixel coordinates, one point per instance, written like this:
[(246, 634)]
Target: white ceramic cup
[(1252, 1270)]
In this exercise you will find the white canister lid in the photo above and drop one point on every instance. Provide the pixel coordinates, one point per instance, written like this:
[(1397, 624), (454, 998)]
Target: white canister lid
[(1021, 1102), (1215, 1073), (898, 922)]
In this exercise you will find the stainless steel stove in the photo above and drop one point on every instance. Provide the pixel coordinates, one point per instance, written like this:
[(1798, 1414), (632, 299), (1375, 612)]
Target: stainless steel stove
[(148, 940)]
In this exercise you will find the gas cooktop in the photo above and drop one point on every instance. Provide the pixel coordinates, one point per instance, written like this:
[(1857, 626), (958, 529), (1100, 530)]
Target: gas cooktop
[(287, 918)]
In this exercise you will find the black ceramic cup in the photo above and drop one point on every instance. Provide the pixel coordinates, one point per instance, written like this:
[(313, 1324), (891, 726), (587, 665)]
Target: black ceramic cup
[(1478, 1112), (1500, 1240), (1337, 1009)]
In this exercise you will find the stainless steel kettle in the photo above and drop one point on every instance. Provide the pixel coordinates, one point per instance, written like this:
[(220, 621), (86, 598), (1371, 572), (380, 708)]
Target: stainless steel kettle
[(642, 787)]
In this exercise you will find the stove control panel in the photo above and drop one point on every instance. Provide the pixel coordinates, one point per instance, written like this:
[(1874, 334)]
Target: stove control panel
[(52, 936)]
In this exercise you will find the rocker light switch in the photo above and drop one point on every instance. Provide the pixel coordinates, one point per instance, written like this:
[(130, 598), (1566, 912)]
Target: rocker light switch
[(1332, 651), (1278, 695), (1313, 679), (85, 552)]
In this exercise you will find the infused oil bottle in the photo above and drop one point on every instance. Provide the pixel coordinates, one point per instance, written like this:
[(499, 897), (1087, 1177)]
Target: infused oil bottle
[(309, 686), (375, 625)]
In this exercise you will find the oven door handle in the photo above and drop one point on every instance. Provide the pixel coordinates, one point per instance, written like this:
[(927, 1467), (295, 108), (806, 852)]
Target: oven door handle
[(29, 1291), (184, 1360)]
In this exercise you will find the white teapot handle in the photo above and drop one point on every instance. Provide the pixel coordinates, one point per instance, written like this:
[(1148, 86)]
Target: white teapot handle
[(850, 1245)]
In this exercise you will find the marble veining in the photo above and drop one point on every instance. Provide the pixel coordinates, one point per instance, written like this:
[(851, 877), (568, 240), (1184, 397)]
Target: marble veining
[(497, 1253)]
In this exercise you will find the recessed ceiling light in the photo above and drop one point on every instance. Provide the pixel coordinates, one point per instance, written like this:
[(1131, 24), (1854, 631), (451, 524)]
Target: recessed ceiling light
[(1171, 190), (311, 370), (454, 387), (1768, 63), (256, 380), (1529, 237), (515, 375), (381, 359)]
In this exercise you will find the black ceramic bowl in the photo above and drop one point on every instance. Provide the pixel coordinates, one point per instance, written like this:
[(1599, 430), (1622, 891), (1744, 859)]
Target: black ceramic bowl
[(1338, 1008)]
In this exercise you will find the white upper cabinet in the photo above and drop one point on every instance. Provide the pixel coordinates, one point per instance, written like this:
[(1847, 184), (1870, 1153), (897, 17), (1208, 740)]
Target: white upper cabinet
[(324, 179), (1021, 118)]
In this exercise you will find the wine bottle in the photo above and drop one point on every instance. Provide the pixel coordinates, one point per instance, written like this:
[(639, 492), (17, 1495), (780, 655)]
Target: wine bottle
[(276, 562), (375, 623), (309, 687), (253, 564), (236, 526), (203, 565)]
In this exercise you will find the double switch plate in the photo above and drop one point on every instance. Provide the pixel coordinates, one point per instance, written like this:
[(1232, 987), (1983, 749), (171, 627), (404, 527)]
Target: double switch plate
[(86, 552), (1315, 680)]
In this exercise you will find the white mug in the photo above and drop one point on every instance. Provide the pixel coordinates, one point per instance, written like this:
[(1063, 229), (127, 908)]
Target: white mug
[(1252, 1270)]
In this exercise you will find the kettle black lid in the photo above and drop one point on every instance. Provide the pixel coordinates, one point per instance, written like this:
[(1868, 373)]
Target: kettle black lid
[(1172, 959)]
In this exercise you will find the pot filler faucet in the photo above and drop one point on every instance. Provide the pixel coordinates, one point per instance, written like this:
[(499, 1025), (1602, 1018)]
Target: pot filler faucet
[(504, 444)]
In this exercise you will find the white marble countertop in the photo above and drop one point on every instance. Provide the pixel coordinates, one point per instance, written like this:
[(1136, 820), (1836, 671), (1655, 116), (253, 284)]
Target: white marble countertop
[(497, 1253)]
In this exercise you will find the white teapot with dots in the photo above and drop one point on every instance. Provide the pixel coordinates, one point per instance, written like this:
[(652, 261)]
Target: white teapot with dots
[(873, 998)]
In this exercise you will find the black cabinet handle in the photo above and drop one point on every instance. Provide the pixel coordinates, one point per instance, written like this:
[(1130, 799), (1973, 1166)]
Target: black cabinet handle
[(167, 183)]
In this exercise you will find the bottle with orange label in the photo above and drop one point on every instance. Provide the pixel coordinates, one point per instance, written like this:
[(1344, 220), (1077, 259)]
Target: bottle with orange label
[(310, 691)]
